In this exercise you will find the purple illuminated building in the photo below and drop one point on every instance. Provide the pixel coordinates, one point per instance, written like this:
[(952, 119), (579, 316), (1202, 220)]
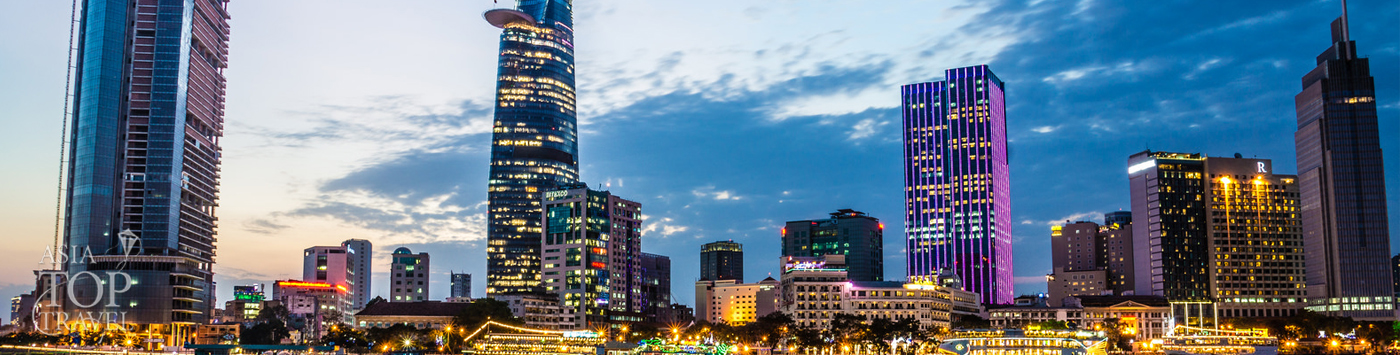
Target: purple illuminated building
[(956, 182)]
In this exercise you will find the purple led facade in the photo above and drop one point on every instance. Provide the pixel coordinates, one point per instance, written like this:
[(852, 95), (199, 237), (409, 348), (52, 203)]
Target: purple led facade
[(956, 181)]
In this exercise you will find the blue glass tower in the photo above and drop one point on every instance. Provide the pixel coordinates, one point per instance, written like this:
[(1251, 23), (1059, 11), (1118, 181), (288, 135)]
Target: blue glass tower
[(957, 187), (534, 141), (144, 170)]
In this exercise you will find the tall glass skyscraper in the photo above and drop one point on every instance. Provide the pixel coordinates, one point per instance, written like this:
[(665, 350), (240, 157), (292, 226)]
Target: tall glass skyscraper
[(1343, 185), (956, 182), (144, 163), (534, 145)]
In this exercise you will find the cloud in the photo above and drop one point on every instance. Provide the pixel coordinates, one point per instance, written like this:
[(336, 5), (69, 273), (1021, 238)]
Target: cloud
[(718, 195), (262, 226), (664, 227), (1045, 129), (1028, 280)]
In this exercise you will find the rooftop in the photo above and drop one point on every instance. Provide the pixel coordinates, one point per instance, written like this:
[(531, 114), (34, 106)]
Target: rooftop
[(422, 308)]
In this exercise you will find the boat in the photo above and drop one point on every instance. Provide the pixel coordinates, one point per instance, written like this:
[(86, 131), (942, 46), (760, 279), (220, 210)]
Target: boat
[(1199, 341)]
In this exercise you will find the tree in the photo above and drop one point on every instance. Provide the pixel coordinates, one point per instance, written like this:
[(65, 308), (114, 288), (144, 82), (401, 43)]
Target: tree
[(971, 321), (481, 310), (353, 340), (398, 337), (808, 338), (266, 333), (847, 328), (276, 312)]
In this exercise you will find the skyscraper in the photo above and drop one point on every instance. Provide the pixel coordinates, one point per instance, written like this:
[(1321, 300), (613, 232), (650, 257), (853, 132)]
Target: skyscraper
[(410, 276), (722, 260), (362, 251), (1343, 185), (534, 142), (592, 249), (1227, 233), (143, 173), (857, 236), (956, 182), (461, 285)]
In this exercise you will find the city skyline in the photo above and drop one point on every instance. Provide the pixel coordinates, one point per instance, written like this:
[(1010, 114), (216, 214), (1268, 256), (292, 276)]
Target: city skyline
[(690, 211)]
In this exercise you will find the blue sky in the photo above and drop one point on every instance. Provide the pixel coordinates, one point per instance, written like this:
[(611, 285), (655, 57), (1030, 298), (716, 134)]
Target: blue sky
[(370, 119)]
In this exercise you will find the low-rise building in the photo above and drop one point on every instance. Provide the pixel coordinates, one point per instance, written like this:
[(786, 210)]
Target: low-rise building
[(815, 290), (1144, 317), (421, 315), (730, 302)]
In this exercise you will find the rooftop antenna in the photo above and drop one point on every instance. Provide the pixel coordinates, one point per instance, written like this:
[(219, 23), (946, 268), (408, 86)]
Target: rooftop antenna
[(1346, 31)]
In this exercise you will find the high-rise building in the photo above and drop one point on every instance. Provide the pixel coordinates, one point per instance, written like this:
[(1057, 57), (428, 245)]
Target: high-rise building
[(1224, 231), (461, 285), (534, 142), (362, 253), (956, 182), (409, 276), (143, 173), (1089, 259), (592, 248), (722, 260), (857, 236), (1343, 185), (656, 286), (333, 265)]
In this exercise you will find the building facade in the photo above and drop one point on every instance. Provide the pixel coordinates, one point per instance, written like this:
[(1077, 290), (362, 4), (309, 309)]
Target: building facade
[(144, 156), (734, 303), (592, 251), (1090, 259), (1228, 232), (534, 141), (656, 286), (956, 182), (362, 254), (540, 312), (814, 290), (857, 236), (1342, 182), (317, 305), (332, 265), (1141, 317), (246, 304), (409, 276), (461, 285), (722, 260), (420, 315)]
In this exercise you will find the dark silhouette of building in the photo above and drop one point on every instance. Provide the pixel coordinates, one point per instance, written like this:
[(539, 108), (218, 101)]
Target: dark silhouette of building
[(722, 260)]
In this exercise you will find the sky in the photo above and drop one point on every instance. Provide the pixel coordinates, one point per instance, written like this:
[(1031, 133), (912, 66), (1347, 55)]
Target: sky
[(724, 119)]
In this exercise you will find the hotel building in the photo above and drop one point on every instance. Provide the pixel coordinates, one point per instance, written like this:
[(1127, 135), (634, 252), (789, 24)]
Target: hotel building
[(1225, 231), (592, 251)]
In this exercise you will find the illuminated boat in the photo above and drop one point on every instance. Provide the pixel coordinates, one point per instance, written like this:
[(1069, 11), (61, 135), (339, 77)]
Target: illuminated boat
[(1013, 344), (1199, 341)]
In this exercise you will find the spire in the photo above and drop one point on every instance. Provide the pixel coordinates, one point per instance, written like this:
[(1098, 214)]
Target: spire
[(1346, 35)]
